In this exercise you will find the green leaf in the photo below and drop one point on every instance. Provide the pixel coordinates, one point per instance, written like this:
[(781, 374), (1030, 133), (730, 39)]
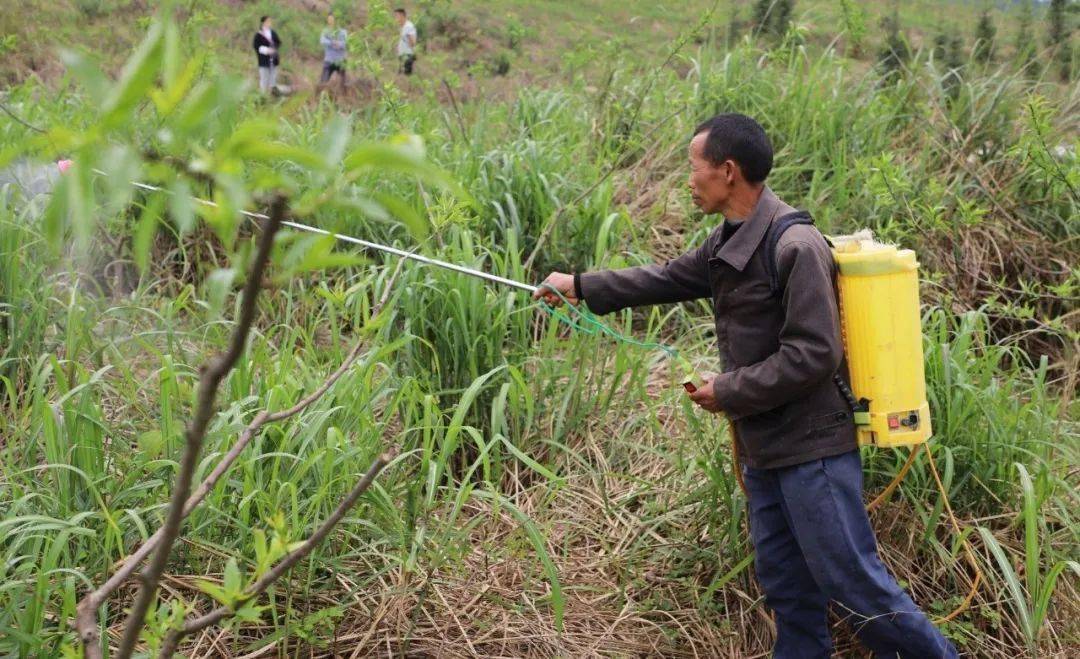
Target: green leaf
[(213, 590), (1029, 512), (249, 612), (1012, 582), (401, 159), (558, 601), (135, 80), (218, 285), (232, 581), (533, 464), (181, 206), (145, 230), (170, 54), (87, 73), (334, 140), (418, 226), (309, 252), (276, 152), (150, 443)]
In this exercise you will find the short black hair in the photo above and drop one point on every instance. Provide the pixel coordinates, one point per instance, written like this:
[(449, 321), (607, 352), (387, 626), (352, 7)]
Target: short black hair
[(262, 19), (733, 136), (401, 10)]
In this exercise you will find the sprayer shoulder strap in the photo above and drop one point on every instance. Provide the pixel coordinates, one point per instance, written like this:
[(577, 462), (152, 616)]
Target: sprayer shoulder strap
[(772, 240)]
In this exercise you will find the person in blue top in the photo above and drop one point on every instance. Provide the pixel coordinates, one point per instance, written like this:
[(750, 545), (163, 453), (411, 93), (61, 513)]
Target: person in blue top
[(333, 40)]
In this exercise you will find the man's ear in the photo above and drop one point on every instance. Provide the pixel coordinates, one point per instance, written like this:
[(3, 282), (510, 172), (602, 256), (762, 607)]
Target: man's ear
[(733, 172)]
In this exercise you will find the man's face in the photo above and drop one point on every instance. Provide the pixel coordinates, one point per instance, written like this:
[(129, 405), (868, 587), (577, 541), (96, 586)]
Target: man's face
[(330, 20), (710, 185), (399, 17), (267, 24)]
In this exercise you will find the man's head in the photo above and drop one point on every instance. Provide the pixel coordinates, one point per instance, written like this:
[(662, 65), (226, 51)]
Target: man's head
[(329, 20), (400, 15), (264, 22), (730, 156)]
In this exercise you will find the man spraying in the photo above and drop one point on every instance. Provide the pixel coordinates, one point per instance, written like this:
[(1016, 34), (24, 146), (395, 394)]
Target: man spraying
[(406, 46), (333, 40), (794, 427)]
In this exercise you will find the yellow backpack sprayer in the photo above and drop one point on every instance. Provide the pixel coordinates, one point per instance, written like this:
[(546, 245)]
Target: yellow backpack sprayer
[(878, 292)]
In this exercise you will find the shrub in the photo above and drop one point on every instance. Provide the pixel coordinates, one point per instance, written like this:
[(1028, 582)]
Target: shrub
[(895, 53), (499, 64), (93, 8), (985, 35)]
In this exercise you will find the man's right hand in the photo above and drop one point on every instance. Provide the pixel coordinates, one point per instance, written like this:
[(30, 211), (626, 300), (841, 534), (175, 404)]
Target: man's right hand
[(561, 282)]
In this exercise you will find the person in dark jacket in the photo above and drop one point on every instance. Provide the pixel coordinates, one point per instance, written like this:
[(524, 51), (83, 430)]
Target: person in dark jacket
[(794, 428), (266, 44)]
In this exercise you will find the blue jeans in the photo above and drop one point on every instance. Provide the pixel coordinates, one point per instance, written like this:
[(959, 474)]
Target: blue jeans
[(814, 545)]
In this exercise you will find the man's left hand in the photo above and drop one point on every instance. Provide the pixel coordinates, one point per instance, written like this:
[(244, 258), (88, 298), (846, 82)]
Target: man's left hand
[(704, 397)]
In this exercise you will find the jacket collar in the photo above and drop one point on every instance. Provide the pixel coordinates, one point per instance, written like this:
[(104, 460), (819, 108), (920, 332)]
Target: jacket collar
[(739, 248)]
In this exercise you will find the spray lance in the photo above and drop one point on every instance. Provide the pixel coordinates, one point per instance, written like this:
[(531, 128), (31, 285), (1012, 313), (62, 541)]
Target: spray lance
[(583, 320)]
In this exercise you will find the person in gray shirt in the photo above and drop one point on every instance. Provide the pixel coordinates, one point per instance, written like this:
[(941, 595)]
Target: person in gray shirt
[(333, 40)]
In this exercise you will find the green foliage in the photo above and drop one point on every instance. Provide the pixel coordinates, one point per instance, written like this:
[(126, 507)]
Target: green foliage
[(516, 32), (1059, 37), (94, 8), (499, 64), (1030, 594), (773, 17), (854, 26), (1024, 45), (895, 52), (985, 39)]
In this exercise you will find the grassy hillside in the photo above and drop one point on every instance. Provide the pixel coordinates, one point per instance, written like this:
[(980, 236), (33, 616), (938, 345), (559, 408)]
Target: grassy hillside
[(537, 37), (554, 493)]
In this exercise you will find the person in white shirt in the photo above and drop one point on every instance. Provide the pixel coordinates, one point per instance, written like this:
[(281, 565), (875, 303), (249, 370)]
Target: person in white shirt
[(406, 47), (266, 44)]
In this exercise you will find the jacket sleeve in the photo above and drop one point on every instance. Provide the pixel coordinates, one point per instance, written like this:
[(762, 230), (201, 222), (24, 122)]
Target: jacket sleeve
[(324, 39), (255, 42), (685, 277), (811, 348), (277, 39)]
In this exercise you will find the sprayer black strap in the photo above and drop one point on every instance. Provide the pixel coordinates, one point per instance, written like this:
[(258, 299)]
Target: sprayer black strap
[(772, 240)]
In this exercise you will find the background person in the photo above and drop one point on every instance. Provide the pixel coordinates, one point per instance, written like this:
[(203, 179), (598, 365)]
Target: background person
[(266, 44), (333, 40), (406, 47), (795, 431)]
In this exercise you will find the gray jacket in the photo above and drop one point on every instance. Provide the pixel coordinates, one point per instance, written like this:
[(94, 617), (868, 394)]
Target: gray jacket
[(334, 43), (779, 353)]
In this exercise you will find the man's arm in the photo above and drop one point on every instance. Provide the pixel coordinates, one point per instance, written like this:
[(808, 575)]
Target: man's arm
[(685, 277), (810, 345), (324, 39)]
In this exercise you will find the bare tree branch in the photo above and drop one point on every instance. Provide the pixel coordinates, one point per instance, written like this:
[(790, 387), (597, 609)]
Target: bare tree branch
[(19, 119), (209, 382), (173, 638), (86, 620)]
